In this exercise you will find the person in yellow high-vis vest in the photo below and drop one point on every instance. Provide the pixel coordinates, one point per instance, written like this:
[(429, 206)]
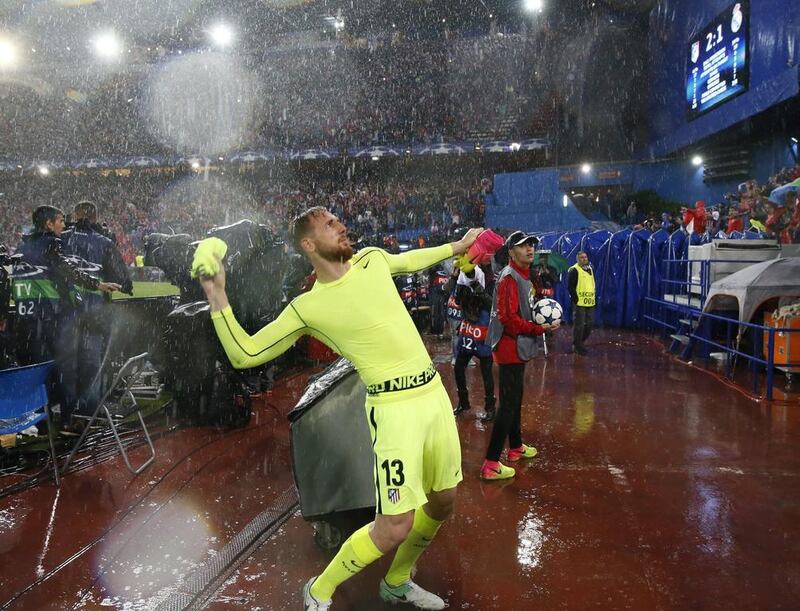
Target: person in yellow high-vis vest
[(580, 281)]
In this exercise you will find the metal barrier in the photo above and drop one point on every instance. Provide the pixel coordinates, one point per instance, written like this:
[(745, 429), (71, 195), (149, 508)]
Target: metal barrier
[(682, 282), (756, 360), (680, 301)]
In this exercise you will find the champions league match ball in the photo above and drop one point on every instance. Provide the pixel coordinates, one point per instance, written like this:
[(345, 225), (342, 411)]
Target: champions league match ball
[(546, 311)]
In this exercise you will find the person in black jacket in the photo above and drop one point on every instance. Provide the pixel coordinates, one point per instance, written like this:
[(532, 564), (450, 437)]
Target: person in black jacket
[(476, 305), (544, 277), (89, 242), (46, 295)]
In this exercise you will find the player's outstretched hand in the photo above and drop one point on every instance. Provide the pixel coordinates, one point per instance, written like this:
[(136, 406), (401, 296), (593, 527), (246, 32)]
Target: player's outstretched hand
[(467, 240), (214, 285), (208, 257)]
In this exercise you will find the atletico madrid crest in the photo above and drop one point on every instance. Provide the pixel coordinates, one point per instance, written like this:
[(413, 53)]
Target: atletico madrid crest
[(394, 495)]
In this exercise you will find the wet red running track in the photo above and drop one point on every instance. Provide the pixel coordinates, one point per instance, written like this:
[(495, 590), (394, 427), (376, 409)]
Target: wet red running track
[(656, 487)]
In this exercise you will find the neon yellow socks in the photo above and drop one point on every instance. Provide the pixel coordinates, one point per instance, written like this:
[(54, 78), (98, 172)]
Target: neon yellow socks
[(356, 553), (422, 533)]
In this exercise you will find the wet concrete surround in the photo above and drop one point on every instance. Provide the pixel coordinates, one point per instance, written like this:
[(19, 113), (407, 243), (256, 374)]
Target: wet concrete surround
[(656, 487)]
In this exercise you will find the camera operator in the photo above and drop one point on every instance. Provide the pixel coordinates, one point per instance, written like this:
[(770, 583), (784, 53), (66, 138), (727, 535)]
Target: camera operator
[(45, 294), (90, 241)]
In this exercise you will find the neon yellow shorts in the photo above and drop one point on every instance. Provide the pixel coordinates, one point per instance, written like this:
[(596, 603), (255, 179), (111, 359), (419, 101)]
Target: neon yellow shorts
[(416, 445)]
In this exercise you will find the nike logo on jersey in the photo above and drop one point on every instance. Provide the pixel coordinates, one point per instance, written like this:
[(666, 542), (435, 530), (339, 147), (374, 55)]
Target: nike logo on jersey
[(366, 265)]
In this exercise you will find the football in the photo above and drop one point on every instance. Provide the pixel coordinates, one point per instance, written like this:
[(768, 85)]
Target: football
[(546, 311)]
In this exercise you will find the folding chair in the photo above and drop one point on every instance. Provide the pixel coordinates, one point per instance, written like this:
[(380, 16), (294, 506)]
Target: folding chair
[(23, 392), (119, 402)]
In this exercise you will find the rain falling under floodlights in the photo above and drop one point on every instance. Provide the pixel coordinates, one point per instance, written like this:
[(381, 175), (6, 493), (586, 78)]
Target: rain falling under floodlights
[(107, 46), (534, 6), (697, 161), (8, 55), (221, 34)]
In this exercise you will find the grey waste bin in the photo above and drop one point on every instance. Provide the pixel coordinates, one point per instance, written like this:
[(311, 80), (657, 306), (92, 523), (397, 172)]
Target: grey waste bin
[(332, 457)]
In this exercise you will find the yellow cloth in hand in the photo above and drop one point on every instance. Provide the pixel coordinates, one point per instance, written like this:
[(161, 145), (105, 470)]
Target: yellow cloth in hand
[(464, 264), (205, 257)]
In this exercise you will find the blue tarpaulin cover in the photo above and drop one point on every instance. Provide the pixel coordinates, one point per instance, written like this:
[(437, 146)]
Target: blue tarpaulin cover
[(628, 267), (532, 201)]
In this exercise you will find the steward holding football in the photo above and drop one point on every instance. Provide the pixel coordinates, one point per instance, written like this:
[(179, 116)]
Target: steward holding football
[(512, 337)]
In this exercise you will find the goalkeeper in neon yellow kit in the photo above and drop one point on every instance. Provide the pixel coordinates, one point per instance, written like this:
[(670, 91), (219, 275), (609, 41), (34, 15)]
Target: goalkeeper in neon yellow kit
[(355, 309)]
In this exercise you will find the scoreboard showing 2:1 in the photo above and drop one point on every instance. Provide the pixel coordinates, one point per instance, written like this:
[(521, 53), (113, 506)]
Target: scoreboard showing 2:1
[(718, 63)]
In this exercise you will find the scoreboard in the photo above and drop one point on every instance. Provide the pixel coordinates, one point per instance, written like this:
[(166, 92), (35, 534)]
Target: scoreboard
[(718, 61)]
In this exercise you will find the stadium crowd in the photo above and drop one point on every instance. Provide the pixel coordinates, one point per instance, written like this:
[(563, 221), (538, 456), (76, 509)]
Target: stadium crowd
[(343, 93), (136, 206), (751, 208)]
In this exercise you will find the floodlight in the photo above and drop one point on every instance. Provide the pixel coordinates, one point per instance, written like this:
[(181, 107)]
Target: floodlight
[(534, 6), (44, 170), (697, 160), (586, 168), (107, 45), (8, 54), (221, 34)]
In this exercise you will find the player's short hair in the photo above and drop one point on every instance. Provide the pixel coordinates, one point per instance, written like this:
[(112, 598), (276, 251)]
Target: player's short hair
[(85, 210), (42, 214), (300, 227)]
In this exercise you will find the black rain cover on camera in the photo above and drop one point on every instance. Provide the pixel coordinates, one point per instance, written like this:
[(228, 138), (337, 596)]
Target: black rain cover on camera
[(256, 264)]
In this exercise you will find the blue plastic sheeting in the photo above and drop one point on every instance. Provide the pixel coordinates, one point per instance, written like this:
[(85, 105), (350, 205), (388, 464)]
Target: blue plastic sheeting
[(635, 277), (773, 48), (628, 267), (532, 201), (612, 280), (658, 249)]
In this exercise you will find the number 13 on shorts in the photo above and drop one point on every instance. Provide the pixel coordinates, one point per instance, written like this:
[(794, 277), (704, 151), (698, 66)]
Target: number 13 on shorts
[(393, 472)]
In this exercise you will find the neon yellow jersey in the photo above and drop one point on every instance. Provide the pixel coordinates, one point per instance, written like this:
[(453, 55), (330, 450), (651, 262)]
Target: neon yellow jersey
[(360, 316)]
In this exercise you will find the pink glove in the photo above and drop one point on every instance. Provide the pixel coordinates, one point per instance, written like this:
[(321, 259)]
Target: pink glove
[(484, 247)]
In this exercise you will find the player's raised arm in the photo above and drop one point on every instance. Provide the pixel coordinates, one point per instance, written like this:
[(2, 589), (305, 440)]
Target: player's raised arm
[(423, 258), (243, 350)]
